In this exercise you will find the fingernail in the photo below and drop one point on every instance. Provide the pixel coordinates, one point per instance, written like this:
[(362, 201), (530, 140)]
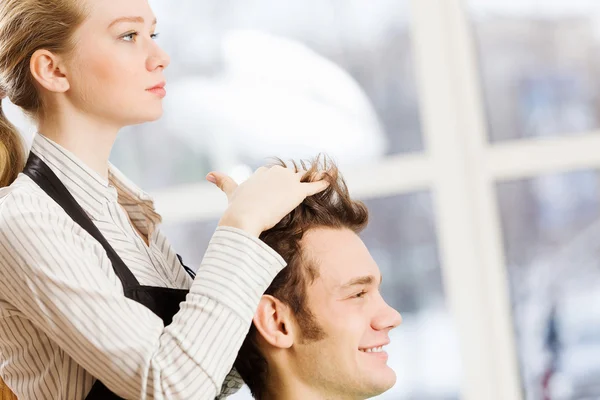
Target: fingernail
[(211, 178)]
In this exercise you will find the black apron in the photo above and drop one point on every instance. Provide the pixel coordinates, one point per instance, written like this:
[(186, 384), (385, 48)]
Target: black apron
[(164, 302)]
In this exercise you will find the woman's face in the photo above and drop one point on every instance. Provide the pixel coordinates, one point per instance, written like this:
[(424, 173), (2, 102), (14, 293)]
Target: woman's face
[(116, 62)]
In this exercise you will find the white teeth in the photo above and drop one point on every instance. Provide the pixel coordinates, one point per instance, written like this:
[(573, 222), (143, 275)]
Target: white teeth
[(374, 350)]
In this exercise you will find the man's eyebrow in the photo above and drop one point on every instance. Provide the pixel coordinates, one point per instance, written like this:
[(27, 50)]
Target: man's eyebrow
[(130, 19), (361, 280)]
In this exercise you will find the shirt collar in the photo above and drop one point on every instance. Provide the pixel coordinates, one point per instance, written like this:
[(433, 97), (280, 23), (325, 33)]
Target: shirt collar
[(88, 188)]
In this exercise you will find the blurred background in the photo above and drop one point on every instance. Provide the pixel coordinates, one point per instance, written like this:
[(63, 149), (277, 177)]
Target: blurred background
[(469, 127)]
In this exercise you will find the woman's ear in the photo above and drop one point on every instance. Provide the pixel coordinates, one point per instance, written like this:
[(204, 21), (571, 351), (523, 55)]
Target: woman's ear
[(48, 70), (274, 322)]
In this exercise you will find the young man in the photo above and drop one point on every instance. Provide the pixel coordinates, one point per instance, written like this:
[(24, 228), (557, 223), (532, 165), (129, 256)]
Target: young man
[(320, 328)]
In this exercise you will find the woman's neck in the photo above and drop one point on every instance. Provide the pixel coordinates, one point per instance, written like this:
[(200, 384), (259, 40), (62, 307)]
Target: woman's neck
[(89, 140)]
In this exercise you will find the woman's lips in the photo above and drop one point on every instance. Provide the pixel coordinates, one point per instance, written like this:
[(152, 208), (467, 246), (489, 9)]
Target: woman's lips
[(159, 91)]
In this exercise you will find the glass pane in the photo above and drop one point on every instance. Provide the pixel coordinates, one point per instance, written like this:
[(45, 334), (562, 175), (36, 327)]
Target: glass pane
[(539, 66), (249, 80), (551, 228), (401, 237)]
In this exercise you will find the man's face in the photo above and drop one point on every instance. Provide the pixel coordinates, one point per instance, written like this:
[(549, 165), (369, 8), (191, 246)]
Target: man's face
[(355, 320)]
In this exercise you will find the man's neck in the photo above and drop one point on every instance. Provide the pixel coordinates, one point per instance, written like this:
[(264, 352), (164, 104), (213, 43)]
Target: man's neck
[(89, 140), (294, 389)]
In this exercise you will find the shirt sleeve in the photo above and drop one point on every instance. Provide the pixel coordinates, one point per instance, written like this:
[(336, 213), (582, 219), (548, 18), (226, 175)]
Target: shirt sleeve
[(50, 270)]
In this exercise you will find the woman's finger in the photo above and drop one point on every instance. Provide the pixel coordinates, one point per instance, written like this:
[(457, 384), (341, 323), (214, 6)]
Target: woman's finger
[(315, 187), (223, 182)]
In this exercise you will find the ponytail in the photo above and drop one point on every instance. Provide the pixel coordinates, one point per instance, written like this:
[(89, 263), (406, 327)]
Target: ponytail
[(12, 151)]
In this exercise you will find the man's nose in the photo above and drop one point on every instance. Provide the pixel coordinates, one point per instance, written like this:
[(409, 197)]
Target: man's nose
[(388, 318)]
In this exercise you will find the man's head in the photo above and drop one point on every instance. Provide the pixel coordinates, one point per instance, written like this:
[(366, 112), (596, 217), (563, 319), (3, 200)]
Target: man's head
[(322, 321)]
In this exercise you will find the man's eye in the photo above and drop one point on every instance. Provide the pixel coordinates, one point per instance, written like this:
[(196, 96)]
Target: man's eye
[(360, 294)]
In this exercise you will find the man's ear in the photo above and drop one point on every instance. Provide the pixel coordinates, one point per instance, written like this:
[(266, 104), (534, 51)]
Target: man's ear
[(274, 321), (49, 71)]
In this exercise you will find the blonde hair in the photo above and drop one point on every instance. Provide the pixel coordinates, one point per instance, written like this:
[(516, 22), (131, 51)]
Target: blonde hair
[(25, 27)]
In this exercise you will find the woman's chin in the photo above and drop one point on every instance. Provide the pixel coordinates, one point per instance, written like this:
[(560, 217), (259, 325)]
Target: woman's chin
[(146, 116)]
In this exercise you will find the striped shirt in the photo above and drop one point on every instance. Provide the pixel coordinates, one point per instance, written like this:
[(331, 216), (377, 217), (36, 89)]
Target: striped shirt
[(64, 319)]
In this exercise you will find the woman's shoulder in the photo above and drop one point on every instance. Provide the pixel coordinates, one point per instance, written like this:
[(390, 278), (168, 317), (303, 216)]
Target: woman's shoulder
[(24, 196), (28, 215)]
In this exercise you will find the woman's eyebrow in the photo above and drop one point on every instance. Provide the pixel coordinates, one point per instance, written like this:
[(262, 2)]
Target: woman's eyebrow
[(129, 19)]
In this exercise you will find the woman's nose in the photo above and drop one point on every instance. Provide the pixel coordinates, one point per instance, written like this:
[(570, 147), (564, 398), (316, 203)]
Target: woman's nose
[(158, 59)]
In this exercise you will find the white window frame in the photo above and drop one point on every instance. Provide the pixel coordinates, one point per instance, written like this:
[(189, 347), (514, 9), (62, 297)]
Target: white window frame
[(461, 169)]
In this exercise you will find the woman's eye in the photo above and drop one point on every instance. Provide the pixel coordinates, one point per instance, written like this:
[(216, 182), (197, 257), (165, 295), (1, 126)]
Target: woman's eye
[(129, 37)]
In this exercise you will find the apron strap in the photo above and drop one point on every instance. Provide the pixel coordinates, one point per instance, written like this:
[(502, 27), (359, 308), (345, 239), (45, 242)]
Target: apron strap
[(41, 174), (187, 269)]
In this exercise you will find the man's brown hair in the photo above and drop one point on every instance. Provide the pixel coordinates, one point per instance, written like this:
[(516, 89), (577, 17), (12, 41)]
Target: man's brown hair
[(333, 208)]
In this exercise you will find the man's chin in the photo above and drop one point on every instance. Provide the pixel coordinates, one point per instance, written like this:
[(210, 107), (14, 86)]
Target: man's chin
[(381, 381)]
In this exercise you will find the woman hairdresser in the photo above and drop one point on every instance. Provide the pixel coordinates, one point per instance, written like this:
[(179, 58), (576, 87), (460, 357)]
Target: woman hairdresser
[(94, 302)]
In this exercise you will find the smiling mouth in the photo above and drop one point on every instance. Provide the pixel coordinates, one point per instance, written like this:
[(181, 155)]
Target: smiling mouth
[(372, 350)]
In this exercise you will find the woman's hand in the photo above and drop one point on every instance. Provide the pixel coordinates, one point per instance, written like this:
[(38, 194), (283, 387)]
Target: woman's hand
[(265, 198)]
